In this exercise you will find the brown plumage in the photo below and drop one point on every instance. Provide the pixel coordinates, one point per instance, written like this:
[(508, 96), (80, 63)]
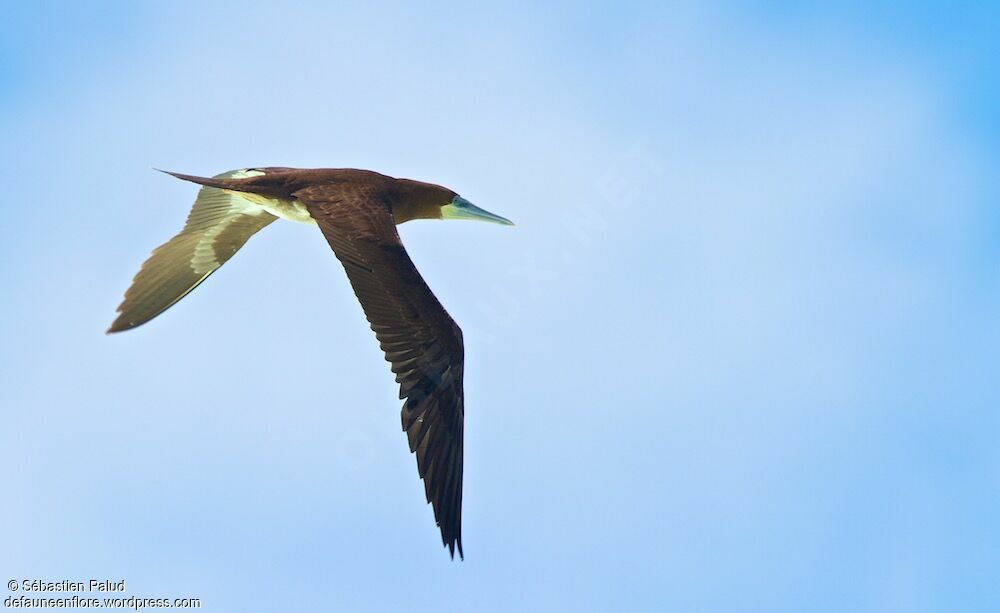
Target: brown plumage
[(357, 211)]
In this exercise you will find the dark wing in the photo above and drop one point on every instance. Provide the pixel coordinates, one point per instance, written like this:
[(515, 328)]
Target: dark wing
[(419, 338), (218, 225)]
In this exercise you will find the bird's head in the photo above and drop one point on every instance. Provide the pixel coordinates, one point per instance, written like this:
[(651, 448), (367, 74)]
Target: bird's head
[(419, 200)]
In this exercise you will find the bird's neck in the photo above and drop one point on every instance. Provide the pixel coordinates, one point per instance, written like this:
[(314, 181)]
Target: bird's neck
[(417, 200)]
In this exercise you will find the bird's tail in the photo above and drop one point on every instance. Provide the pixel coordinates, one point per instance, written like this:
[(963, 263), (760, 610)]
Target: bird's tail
[(220, 182)]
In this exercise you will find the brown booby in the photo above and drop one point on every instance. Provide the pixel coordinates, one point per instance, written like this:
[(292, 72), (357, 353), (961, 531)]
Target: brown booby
[(357, 211)]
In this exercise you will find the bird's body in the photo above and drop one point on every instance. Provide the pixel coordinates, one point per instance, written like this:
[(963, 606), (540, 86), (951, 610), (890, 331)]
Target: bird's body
[(357, 211), (284, 208)]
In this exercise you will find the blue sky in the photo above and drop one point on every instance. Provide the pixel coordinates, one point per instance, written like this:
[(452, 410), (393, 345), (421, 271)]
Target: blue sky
[(739, 353)]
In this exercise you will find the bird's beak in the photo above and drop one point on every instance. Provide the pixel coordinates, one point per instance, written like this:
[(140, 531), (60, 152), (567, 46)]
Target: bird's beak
[(460, 208)]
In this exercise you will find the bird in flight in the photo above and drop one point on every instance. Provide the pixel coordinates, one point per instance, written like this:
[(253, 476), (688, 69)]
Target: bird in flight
[(357, 211)]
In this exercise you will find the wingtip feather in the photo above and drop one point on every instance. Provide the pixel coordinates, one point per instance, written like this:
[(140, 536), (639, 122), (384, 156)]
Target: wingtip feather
[(119, 325)]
